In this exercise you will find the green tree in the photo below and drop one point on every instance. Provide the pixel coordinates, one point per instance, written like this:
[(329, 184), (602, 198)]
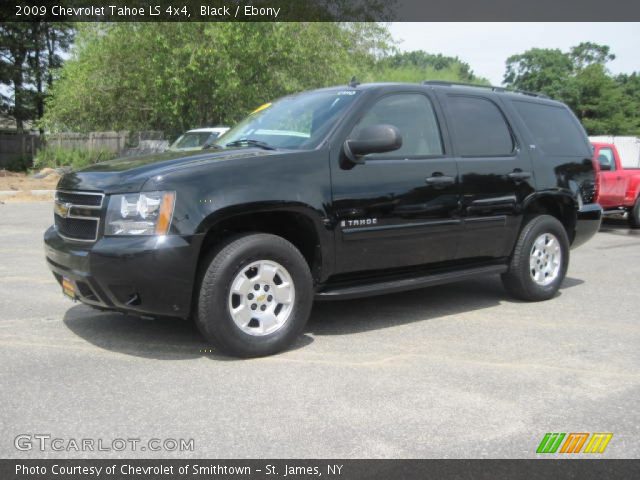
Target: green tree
[(175, 76), (29, 53), (15, 46), (417, 66), (579, 77), (589, 53), (630, 86), (539, 70), (598, 100)]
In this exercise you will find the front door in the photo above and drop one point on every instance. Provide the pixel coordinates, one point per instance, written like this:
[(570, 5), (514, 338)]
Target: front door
[(612, 186), (399, 209)]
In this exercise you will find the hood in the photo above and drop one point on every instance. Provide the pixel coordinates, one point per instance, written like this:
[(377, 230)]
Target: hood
[(128, 174)]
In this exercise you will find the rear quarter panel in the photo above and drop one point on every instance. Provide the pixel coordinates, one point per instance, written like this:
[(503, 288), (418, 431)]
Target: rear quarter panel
[(563, 174)]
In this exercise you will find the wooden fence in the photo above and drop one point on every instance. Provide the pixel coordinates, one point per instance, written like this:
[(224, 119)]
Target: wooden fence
[(22, 147), (112, 141), (18, 149)]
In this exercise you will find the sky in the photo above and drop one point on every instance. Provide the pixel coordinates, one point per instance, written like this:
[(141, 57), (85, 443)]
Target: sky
[(486, 46)]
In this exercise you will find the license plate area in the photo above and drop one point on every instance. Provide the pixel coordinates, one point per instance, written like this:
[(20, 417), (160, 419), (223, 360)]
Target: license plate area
[(69, 288)]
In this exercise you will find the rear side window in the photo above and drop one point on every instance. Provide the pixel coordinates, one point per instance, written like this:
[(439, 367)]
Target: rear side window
[(479, 127), (553, 128)]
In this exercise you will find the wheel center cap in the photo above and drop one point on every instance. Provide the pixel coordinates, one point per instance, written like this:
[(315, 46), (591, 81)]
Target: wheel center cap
[(261, 298)]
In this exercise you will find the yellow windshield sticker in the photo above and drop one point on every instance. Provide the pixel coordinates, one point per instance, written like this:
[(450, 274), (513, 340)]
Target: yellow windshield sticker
[(261, 107)]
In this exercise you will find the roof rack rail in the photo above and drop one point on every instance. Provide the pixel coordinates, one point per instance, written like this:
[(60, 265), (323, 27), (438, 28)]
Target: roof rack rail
[(490, 87)]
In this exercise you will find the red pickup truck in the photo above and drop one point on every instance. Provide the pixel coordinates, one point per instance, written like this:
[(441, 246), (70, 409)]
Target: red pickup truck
[(618, 188)]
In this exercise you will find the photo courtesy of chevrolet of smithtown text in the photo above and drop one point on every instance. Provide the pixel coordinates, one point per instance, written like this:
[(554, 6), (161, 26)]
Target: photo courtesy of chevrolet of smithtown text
[(339, 239)]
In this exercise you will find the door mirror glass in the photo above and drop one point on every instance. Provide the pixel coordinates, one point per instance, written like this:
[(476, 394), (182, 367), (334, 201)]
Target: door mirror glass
[(605, 164), (379, 138), (606, 160)]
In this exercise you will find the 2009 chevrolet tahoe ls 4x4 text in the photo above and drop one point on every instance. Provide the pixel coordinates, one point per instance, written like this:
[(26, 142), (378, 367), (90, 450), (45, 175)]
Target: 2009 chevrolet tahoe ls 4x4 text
[(329, 194)]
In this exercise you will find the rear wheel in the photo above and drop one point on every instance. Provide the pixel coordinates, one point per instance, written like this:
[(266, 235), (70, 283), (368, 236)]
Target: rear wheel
[(540, 260), (634, 215), (255, 296)]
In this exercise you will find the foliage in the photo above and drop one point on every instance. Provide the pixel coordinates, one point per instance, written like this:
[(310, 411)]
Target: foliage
[(417, 66), (630, 92), (73, 157), (29, 53), (604, 104), (175, 76)]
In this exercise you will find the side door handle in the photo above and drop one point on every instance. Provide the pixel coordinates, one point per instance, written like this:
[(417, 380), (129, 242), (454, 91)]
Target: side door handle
[(519, 175), (440, 180)]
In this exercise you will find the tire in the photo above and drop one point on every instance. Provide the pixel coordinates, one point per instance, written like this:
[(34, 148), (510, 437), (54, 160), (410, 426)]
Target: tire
[(242, 321), (535, 271), (634, 215)]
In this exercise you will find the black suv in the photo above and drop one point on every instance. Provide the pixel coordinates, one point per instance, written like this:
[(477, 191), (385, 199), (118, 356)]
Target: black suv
[(335, 193)]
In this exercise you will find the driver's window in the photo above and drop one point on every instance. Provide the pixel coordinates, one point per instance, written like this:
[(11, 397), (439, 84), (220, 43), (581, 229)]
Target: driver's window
[(413, 115), (605, 158)]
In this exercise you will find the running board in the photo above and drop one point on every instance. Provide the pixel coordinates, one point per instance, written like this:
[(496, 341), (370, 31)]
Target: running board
[(617, 212), (392, 286)]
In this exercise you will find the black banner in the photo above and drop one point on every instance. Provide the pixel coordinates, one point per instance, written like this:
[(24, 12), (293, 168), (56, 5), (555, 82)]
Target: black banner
[(317, 10), (327, 469)]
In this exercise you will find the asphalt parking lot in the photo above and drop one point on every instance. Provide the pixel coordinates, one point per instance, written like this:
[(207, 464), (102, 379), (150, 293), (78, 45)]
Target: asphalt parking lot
[(446, 372)]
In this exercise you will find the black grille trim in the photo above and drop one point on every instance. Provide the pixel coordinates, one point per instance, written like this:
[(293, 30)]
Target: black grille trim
[(84, 229)]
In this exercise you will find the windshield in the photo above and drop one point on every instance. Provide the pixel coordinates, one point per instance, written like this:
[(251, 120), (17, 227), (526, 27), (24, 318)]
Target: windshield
[(193, 139), (295, 122)]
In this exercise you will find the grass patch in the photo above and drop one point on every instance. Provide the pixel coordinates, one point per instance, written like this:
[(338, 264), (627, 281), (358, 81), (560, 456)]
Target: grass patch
[(76, 158)]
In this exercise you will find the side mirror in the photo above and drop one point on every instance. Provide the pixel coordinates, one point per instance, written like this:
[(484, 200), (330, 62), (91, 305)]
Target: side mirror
[(605, 165), (373, 139), (210, 141)]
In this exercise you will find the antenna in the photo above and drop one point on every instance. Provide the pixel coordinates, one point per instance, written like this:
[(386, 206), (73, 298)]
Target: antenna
[(354, 82)]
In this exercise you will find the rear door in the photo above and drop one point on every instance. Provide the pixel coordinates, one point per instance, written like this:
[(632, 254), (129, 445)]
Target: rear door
[(495, 174), (399, 209)]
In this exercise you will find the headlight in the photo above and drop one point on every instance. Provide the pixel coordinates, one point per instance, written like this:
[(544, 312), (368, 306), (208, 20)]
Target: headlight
[(147, 213)]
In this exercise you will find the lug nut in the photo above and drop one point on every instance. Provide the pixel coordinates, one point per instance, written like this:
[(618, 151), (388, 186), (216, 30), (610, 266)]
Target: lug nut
[(263, 308), (250, 296), (266, 288), (254, 306), (256, 287), (269, 298)]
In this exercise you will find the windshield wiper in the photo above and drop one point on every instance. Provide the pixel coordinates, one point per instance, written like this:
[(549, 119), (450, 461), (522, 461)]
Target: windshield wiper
[(250, 142)]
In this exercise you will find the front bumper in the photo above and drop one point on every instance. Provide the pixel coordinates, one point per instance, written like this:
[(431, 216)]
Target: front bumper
[(144, 275), (588, 223)]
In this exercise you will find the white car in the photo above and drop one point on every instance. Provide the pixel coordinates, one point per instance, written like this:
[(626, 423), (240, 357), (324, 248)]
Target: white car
[(197, 138)]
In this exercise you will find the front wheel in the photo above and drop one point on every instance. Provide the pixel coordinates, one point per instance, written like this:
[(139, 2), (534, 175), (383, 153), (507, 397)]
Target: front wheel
[(255, 296), (634, 215), (540, 260)]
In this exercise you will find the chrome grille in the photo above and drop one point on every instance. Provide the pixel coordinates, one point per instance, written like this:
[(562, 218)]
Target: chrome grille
[(77, 215), (88, 199)]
